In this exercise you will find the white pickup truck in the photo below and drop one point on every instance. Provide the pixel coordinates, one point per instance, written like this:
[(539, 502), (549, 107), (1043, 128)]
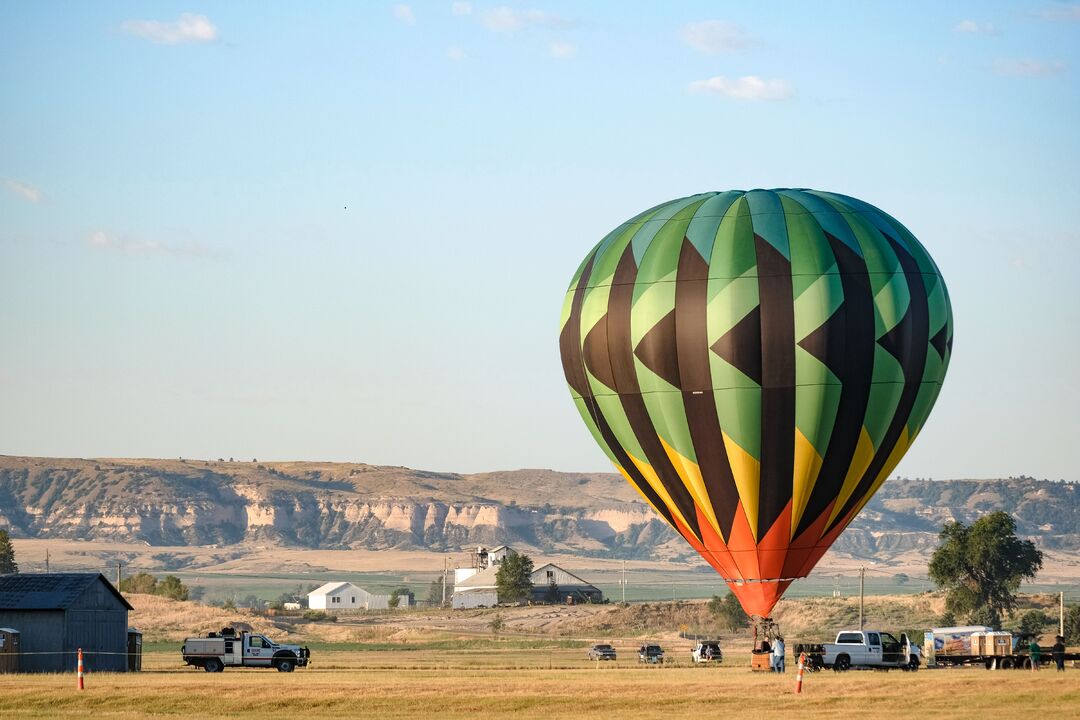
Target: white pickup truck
[(863, 648), (244, 649)]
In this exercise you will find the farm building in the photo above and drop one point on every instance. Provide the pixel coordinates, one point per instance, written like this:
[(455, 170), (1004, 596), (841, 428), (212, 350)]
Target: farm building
[(550, 582), (482, 559), (344, 596), (58, 613)]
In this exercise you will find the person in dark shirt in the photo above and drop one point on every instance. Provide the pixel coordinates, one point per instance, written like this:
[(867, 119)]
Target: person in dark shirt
[(1058, 653)]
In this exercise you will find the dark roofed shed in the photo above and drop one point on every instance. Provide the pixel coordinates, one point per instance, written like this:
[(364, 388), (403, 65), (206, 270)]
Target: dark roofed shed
[(58, 613)]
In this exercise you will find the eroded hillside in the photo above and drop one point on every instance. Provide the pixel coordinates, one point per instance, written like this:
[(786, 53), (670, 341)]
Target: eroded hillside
[(351, 505)]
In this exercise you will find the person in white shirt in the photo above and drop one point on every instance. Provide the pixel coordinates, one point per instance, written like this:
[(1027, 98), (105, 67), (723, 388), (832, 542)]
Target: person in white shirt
[(778, 655)]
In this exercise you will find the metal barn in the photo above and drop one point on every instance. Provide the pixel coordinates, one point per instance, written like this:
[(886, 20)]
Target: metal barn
[(58, 613)]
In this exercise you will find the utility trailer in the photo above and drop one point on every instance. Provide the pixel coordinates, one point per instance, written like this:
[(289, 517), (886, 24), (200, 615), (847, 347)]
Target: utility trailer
[(229, 648), (981, 645)]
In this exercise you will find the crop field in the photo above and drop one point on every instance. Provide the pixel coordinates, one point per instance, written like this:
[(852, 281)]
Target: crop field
[(530, 682)]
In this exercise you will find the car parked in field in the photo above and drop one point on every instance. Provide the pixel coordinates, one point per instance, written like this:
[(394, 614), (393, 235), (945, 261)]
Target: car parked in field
[(707, 651), (651, 654), (601, 652)]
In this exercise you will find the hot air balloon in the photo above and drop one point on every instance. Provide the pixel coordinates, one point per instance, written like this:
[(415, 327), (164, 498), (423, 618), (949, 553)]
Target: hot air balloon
[(756, 363)]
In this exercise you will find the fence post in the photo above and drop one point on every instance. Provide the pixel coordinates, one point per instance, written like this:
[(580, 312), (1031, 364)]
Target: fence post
[(80, 673), (798, 675)]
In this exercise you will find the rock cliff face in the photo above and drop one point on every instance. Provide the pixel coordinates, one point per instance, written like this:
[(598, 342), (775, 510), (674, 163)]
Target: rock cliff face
[(322, 505), (339, 506)]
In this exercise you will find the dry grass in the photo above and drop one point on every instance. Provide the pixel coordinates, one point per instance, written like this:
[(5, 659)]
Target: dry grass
[(451, 685), (163, 619)]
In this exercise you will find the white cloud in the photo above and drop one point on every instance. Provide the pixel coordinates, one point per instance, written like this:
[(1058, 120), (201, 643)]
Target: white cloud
[(26, 192), (1026, 67), (507, 20), (405, 14), (973, 27), (750, 87), (716, 36), (1061, 12), (455, 53), (188, 29), (563, 50), (461, 8), (100, 240)]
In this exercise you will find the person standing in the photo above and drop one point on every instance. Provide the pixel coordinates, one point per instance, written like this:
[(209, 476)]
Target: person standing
[(1036, 654), (1058, 653), (778, 655)]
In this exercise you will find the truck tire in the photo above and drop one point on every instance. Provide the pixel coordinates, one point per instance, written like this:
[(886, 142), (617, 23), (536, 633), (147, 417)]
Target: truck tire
[(213, 665), (842, 664), (913, 664), (285, 665)]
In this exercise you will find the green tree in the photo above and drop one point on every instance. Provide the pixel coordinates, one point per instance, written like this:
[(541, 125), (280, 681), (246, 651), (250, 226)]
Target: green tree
[(435, 592), (728, 612), (144, 583), (1033, 622), (980, 567), (171, 587), (497, 624), (8, 565), (141, 583), (513, 580), (396, 595), (1072, 625)]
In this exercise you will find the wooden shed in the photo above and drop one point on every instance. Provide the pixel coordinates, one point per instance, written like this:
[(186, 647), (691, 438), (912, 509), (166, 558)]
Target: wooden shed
[(58, 613)]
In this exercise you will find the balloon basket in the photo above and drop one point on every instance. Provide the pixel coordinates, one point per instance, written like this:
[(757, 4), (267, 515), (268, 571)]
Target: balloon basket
[(765, 632)]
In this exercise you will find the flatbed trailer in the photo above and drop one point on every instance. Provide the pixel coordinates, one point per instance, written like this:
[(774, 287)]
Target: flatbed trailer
[(1018, 661)]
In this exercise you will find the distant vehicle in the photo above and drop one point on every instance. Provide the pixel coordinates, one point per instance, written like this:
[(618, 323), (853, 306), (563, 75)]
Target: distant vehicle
[(601, 652), (228, 648), (651, 654), (707, 651), (863, 648)]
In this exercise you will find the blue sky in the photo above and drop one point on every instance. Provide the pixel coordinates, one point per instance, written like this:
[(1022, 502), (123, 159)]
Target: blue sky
[(343, 231)]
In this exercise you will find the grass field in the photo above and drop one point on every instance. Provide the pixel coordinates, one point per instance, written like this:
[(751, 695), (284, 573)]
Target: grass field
[(531, 683)]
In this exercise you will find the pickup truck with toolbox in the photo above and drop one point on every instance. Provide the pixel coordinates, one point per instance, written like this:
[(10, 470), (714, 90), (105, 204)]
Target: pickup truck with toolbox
[(229, 648), (862, 649)]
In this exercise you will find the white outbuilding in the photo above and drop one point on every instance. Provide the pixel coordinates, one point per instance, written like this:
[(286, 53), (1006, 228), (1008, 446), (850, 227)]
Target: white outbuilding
[(344, 596)]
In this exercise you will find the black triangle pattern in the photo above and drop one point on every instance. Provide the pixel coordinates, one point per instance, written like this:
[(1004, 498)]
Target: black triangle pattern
[(940, 342), (595, 353), (826, 342), (654, 350), (741, 345)]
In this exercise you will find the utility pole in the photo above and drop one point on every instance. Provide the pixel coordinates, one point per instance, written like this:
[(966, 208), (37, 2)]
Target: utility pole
[(1061, 614), (444, 581), (623, 582), (46, 560), (862, 592), (118, 574)]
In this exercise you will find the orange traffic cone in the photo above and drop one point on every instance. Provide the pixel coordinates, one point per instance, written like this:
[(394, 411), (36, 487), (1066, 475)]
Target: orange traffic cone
[(798, 675), (81, 687)]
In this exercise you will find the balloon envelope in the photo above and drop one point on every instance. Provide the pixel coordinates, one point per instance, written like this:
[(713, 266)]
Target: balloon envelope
[(756, 364)]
